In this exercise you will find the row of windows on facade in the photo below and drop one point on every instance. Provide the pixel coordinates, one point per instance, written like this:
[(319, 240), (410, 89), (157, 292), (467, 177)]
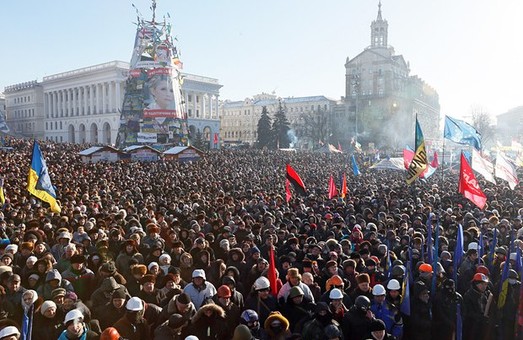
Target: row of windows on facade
[(396, 72), (25, 127), (274, 109), (24, 99), (239, 134), (24, 113), (78, 111)]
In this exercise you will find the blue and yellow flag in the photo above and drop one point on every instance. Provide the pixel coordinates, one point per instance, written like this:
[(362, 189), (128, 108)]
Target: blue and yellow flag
[(39, 182), (419, 162), (2, 194)]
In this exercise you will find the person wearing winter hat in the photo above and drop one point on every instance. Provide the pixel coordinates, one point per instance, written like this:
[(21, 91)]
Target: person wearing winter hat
[(314, 329), (81, 278), (210, 323), (75, 328), (28, 302), (378, 330), (294, 280), (113, 310), (132, 325), (277, 326), (242, 332), (174, 328), (9, 333), (363, 287), (199, 289), (48, 322)]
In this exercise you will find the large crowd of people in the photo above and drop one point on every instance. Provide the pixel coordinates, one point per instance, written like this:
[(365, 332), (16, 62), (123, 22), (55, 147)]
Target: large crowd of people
[(167, 250)]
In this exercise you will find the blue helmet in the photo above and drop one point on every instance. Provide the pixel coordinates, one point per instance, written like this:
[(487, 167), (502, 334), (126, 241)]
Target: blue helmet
[(249, 316)]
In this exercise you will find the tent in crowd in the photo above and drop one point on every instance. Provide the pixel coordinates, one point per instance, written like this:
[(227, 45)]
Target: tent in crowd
[(101, 153), (143, 153), (183, 153)]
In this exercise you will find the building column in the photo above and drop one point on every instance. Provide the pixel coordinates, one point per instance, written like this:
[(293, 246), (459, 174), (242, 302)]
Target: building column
[(70, 96), (195, 105), (86, 101), (211, 106), (64, 103), (91, 100), (53, 107), (110, 97), (103, 98)]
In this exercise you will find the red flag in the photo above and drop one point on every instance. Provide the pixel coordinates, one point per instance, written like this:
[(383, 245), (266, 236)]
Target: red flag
[(435, 162), (271, 273), (468, 186), (344, 186), (215, 141), (288, 194), (296, 181), (339, 147), (408, 155), (333, 192)]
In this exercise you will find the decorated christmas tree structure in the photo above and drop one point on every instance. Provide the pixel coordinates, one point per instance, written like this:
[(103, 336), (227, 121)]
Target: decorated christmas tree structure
[(153, 111)]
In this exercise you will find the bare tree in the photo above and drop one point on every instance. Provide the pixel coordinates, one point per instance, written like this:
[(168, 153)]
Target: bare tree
[(482, 121), (313, 126)]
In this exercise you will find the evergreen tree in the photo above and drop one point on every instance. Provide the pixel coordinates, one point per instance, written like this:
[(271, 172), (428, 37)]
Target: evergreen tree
[(280, 127), (264, 130), (199, 142)]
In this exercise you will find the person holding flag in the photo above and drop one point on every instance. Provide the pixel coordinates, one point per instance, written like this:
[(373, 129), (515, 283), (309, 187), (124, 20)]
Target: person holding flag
[(39, 181), (420, 162)]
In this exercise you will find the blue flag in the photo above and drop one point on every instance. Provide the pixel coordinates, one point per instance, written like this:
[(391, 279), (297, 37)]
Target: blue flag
[(405, 301), (458, 253), (38, 180), (480, 248), (355, 168), (429, 239), (503, 288), (461, 132)]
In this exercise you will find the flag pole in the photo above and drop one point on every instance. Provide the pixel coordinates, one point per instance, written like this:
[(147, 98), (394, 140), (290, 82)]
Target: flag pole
[(443, 164)]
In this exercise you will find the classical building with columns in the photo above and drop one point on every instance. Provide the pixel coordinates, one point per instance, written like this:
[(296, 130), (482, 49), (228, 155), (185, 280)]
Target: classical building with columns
[(83, 106)]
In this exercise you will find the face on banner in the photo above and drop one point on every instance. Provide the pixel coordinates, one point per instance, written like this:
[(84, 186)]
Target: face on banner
[(161, 92)]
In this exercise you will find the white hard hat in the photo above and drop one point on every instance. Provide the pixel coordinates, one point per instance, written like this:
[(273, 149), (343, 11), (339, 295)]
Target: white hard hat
[(9, 330), (261, 283), (73, 315), (393, 285), (473, 245), (335, 294), (134, 304), (378, 290), (192, 337), (198, 273)]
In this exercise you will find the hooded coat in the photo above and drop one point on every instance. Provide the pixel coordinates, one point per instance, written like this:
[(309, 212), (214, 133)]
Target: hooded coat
[(209, 327)]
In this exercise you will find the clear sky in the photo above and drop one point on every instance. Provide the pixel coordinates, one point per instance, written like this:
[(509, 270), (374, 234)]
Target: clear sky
[(470, 51)]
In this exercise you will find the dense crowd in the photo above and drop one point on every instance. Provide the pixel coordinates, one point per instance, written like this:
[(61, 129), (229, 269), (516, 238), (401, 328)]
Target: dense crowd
[(167, 250)]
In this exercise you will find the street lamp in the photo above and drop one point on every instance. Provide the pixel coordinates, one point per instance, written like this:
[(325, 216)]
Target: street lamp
[(356, 81)]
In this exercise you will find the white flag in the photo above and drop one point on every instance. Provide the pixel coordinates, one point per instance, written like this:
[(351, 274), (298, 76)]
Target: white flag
[(483, 166), (505, 170)]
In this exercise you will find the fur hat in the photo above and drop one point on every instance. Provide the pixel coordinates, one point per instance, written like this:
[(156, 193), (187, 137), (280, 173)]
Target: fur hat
[(139, 269), (363, 278), (77, 258), (27, 245), (148, 278), (275, 317), (293, 272)]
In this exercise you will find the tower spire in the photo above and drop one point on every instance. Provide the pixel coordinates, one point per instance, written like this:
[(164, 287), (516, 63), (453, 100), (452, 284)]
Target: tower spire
[(379, 28)]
